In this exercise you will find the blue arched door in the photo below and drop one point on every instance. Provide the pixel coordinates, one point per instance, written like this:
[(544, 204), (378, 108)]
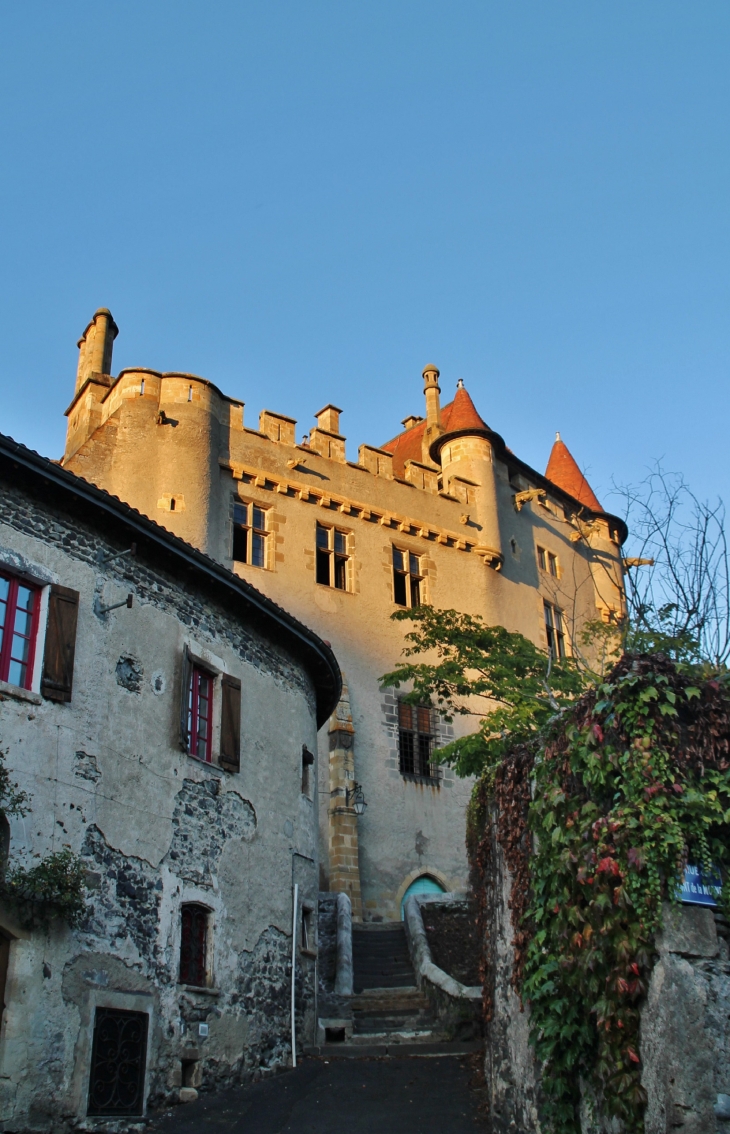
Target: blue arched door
[(423, 885)]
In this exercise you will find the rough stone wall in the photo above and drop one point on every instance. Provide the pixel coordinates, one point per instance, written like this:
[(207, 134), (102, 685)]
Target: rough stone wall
[(155, 828), (685, 1026)]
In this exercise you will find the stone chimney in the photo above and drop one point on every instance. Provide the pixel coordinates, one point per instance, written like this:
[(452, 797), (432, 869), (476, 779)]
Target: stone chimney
[(95, 347), (433, 428)]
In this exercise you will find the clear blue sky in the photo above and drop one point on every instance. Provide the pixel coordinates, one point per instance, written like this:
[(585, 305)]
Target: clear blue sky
[(307, 201)]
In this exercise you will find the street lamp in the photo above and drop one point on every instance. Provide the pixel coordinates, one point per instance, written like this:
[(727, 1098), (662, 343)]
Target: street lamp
[(357, 798)]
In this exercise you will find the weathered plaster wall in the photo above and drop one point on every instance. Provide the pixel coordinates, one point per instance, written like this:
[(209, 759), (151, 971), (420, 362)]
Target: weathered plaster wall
[(155, 828)]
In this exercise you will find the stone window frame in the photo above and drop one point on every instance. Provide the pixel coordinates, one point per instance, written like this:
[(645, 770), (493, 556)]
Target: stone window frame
[(554, 625), (421, 577), (333, 555), (548, 561), (203, 659), (194, 902), (251, 532)]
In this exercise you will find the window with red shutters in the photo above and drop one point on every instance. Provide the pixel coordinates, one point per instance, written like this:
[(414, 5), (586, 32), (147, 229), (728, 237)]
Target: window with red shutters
[(200, 713), (19, 605), (194, 945)]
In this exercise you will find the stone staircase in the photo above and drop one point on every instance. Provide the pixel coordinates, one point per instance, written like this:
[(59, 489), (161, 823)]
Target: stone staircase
[(390, 1015)]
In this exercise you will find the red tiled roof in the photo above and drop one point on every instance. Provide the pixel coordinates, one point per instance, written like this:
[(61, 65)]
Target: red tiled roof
[(455, 417), (564, 472)]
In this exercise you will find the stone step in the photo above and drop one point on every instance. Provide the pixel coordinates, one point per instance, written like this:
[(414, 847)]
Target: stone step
[(390, 999), (392, 1050)]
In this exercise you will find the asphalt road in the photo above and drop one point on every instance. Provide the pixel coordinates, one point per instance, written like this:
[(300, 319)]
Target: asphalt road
[(356, 1096)]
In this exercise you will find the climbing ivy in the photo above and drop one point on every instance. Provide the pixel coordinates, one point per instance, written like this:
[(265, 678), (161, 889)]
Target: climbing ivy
[(618, 796), (54, 887)]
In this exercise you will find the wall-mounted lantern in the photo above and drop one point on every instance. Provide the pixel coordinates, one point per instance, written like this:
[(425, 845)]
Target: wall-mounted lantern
[(356, 799)]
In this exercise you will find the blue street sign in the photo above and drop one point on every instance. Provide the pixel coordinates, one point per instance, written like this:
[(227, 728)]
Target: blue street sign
[(698, 889)]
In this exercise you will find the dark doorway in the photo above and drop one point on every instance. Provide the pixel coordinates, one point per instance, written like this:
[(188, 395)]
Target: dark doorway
[(118, 1060)]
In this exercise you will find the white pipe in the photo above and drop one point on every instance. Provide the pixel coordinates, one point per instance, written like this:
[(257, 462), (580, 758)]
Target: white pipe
[(293, 970)]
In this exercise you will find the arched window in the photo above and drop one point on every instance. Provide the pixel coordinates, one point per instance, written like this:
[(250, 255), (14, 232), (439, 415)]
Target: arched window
[(425, 884)]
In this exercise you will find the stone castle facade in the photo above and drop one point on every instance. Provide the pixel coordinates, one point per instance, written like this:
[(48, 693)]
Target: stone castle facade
[(443, 513)]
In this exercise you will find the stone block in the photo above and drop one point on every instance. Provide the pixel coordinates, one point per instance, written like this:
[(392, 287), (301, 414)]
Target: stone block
[(689, 931)]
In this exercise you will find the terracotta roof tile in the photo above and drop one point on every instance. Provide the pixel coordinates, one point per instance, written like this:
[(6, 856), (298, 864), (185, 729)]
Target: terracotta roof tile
[(564, 473)]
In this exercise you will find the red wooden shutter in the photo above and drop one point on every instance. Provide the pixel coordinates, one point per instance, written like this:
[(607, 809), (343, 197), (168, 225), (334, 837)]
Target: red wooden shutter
[(58, 657), (230, 723)]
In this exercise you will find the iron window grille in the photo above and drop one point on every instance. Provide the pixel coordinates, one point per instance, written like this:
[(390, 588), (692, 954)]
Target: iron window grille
[(554, 630), (19, 607), (416, 741), (332, 557), (194, 946), (118, 1062), (200, 713), (407, 578), (249, 534)]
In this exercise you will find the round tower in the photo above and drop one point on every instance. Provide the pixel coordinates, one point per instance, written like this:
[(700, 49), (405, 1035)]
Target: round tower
[(465, 451)]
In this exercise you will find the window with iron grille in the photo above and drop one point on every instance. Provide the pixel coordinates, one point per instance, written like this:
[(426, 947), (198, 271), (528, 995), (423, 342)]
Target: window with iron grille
[(200, 713), (554, 630), (118, 1061), (407, 578), (194, 945), (416, 735), (332, 557), (249, 534), (19, 605)]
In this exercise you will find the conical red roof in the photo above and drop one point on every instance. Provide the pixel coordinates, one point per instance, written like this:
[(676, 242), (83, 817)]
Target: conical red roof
[(458, 415), (463, 414), (564, 473)]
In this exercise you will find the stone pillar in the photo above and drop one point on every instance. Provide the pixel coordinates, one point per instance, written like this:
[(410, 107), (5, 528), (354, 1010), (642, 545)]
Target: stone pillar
[(343, 837)]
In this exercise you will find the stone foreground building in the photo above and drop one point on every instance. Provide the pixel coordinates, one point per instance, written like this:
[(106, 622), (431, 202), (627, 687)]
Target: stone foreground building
[(443, 513), (167, 743)]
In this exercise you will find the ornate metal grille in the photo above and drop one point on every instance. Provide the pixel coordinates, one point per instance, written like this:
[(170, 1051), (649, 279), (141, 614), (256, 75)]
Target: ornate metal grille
[(193, 945), (118, 1060)]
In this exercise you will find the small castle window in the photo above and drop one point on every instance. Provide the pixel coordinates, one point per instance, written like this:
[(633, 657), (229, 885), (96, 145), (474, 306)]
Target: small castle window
[(554, 630), (200, 713), (194, 945), (416, 731), (547, 561), (249, 534), (332, 557), (407, 578)]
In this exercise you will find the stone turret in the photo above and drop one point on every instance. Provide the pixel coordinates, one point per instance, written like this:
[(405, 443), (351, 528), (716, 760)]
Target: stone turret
[(466, 454)]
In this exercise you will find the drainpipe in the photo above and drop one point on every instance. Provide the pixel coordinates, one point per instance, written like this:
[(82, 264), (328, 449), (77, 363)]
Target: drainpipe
[(293, 970)]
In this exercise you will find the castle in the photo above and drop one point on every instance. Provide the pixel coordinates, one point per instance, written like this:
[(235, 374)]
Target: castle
[(443, 513)]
